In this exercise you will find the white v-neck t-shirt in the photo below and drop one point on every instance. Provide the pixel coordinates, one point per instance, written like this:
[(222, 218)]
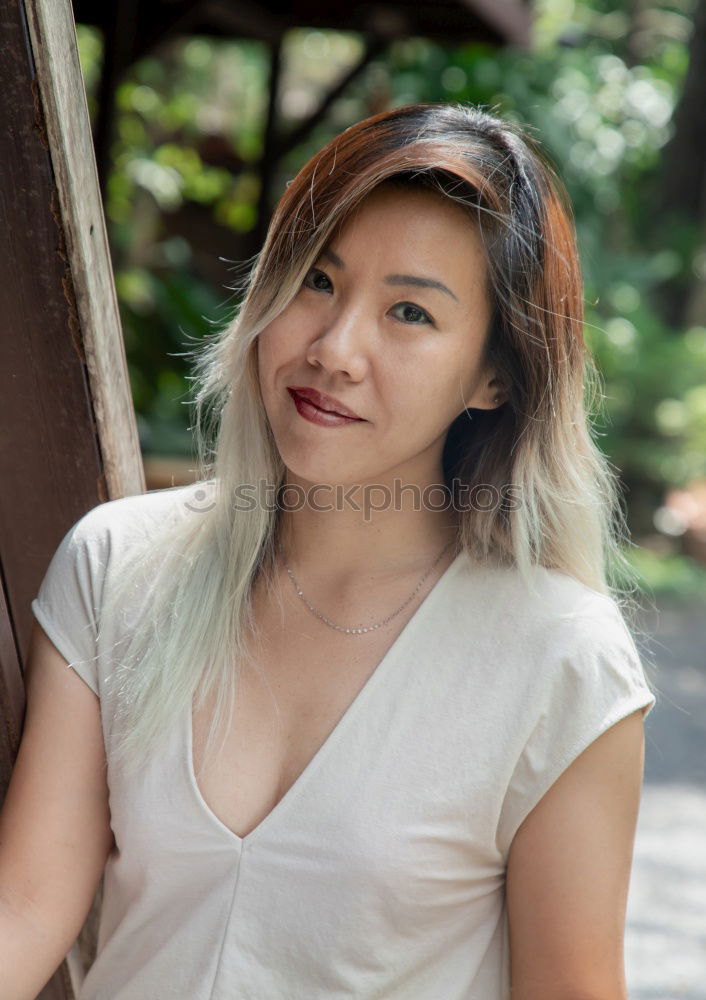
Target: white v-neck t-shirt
[(380, 874)]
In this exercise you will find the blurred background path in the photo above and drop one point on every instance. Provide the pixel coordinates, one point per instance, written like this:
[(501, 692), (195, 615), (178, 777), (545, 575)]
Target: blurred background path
[(666, 925)]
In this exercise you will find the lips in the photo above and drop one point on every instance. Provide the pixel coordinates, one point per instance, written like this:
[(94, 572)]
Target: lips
[(319, 399)]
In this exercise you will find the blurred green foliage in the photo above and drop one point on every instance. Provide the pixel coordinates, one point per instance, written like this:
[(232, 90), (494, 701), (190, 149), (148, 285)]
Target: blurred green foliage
[(669, 577), (598, 88)]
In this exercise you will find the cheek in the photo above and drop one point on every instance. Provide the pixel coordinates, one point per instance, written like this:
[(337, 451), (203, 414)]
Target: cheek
[(439, 391), (271, 348), (268, 363), (282, 340)]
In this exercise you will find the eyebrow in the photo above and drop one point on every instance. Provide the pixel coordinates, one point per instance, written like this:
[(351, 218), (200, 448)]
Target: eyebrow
[(414, 280), (333, 258), (418, 282)]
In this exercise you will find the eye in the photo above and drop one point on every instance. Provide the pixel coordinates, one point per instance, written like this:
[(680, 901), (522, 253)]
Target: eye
[(407, 312), (318, 280)]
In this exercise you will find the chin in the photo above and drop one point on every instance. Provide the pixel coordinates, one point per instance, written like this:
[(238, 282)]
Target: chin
[(310, 474), (314, 470)]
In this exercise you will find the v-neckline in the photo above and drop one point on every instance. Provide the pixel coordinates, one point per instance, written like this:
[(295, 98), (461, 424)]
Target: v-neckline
[(333, 737)]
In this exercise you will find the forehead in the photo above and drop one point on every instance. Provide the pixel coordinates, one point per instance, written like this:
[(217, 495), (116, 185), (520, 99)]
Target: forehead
[(399, 202), (404, 229)]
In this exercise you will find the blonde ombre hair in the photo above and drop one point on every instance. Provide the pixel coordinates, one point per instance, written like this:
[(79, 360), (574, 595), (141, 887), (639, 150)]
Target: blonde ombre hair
[(200, 627)]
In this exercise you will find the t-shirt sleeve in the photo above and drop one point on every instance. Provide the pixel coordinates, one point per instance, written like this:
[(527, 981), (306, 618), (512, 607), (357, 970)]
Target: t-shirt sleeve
[(67, 605), (592, 677)]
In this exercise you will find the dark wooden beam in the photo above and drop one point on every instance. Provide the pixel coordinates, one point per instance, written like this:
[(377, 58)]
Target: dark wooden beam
[(156, 26), (67, 429), (285, 143), (131, 29), (680, 185), (119, 39), (511, 23), (277, 145), (269, 142), (49, 457), (450, 21)]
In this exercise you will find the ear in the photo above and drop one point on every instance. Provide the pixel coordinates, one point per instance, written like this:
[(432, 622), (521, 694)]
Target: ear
[(489, 393)]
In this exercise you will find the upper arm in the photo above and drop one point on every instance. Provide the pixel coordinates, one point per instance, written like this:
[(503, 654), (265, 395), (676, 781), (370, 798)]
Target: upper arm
[(568, 874), (55, 833)]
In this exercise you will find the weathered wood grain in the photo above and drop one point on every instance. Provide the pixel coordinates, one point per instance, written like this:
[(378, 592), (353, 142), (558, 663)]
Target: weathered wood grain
[(68, 132), (68, 438)]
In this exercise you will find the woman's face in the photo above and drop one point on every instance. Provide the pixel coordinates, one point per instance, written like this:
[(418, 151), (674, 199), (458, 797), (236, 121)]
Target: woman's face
[(391, 322)]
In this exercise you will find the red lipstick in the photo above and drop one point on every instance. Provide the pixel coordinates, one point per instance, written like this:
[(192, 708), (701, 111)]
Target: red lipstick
[(321, 409)]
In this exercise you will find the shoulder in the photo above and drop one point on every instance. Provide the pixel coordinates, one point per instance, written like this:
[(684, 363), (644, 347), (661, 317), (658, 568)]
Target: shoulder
[(542, 606), (109, 536), (99, 551), (135, 516), (549, 631), (567, 668)]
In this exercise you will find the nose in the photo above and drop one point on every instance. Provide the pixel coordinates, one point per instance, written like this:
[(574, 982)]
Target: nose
[(344, 343)]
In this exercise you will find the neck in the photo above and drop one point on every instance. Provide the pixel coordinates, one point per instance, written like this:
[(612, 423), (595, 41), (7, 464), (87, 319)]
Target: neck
[(343, 548)]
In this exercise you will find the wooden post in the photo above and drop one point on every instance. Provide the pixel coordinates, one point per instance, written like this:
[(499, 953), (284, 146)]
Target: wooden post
[(63, 98), (68, 438)]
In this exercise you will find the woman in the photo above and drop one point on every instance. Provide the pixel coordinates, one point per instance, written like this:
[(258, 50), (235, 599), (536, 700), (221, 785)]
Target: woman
[(373, 722)]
